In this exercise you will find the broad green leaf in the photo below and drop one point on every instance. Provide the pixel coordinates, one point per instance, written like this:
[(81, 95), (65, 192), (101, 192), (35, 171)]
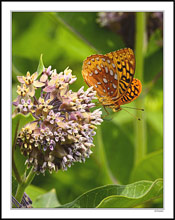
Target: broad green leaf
[(153, 64), (149, 168), (58, 45), (31, 37), (21, 25), (154, 42), (117, 139), (19, 161), (133, 196), (156, 203), (154, 120), (14, 186), (154, 131), (89, 174), (154, 138), (154, 113), (33, 192), (40, 66), (154, 101), (85, 27), (47, 200), (18, 122), (119, 196)]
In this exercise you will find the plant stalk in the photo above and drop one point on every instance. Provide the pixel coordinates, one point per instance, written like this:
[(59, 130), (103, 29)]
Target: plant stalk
[(140, 47), (22, 186), (103, 160), (14, 168)]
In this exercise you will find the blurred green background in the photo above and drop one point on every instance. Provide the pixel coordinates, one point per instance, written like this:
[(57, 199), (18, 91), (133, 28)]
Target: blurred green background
[(66, 39)]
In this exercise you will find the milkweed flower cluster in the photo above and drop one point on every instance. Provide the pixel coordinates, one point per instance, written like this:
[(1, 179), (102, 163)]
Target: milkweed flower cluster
[(63, 129)]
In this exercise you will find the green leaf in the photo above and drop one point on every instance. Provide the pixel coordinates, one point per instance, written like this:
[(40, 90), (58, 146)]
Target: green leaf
[(40, 66), (17, 123), (85, 27), (14, 186), (119, 196), (118, 139), (154, 115), (33, 192), (47, 200), (154, 42), (19, 161), (64, 45), (149, 168), (135, 195), (153, 64)]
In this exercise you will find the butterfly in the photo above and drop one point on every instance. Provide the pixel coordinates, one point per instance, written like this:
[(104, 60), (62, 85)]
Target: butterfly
[(112, 76)]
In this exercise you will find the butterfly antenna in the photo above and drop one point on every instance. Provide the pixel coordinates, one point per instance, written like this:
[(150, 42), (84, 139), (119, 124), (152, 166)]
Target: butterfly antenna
[(132, 114), (141, 109)]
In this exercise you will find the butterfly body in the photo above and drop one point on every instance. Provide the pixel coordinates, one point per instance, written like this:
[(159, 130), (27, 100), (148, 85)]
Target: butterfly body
[(112, 76)]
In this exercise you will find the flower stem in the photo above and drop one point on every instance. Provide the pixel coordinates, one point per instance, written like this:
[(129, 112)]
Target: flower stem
[(22, 186), (15, 170), (102, 155), (140, 44), (20, 192), (30, 177)]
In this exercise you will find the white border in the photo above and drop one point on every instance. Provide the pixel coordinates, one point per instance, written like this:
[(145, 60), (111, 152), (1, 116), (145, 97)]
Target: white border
[(167, 7)]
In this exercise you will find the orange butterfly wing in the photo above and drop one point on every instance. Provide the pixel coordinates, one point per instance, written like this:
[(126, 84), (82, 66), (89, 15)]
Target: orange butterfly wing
[(111, 75), (132, 93)]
